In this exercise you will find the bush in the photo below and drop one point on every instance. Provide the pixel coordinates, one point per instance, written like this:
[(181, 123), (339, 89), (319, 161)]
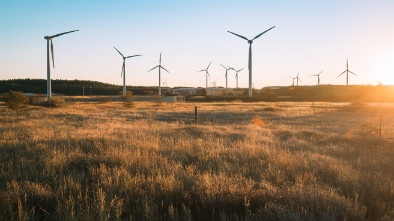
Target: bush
[(16, 100), (56, 102), (128, 99)]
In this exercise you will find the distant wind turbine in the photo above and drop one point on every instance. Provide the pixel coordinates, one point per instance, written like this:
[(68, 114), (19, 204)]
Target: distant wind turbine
[(318, 77), (293, 79), (228, 68), (206, 74), (250, 55), (298, 79), (49, 39), (236, 76), (347, 72), (124, 70), (160, 67)]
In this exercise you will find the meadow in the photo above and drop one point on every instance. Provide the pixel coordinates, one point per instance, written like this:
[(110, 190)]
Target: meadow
[(242, 161)]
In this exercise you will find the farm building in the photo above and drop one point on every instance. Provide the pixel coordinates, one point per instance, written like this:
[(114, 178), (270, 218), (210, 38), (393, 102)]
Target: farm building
[(174, 99), (187, 91), (38, 99), (214, 91)]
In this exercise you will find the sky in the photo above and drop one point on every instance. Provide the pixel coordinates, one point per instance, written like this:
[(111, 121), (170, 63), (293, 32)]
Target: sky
[(309, 36)]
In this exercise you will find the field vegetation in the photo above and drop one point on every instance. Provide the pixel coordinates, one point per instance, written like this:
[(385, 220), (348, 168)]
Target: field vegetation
[(243, 161)]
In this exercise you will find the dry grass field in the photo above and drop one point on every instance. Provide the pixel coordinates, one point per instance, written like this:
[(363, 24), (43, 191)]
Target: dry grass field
[(243, 161)]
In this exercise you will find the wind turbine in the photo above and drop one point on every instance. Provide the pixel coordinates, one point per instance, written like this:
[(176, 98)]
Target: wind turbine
[(206, 75), (236, 75), (228, 68), (250, 55), (160, 67), (213, 83), (124, 69), (293, 79), (298, 79), (49, 39), (318, 77), (347, 72)]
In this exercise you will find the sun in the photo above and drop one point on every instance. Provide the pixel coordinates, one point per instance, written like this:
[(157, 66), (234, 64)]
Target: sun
[(384, 69)]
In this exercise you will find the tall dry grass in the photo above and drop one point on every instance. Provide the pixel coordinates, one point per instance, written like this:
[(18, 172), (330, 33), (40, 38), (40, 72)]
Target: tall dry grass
[(257, 161)]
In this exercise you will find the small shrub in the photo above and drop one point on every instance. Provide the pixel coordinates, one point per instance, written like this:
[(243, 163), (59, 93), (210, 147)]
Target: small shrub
[(128, 99), (158, 100), (16, 100), (258, 122), (55, 102), (270, 109)]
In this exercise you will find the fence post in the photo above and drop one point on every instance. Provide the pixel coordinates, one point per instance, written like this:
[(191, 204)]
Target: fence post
[(196, 114), (380, 126)]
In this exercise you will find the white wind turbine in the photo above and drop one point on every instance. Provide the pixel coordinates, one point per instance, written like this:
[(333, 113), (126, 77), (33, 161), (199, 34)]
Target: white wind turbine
[(228, 68), (293, 79), (298, 79), (124, 69), (49, 39), (250, 55), (206, 75), (236, 75), (347, 72), (318, 77), (160, 67)]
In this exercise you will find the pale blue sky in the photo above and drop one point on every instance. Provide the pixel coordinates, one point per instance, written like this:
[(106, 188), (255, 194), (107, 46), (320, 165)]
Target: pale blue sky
[(309, 36)]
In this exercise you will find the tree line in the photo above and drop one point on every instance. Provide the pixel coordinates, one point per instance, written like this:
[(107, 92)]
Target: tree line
[(69, 87)]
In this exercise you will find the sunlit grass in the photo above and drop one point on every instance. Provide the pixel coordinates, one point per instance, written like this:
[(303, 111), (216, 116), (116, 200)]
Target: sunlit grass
[(243, 161)]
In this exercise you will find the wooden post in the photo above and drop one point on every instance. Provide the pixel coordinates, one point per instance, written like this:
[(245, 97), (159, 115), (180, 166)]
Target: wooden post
[(380, 126), (196, 114)]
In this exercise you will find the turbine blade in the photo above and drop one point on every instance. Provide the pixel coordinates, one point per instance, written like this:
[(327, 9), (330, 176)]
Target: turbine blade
[(342, 73), (160, 59), (153, 68), (121, 73), (201, 70), (164, 69), (53, 59), (263, 33), (238, 35), (347, 63), (223, 66), (240, 70), (119, 52), (57, 35), (352, 73), (209, 65), (320, 72), (134, 56)]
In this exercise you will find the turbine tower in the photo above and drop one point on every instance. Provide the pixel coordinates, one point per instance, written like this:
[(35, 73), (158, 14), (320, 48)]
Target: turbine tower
[(160, 67), (347, 72), (298, 79), (318, 77), (124, 69), (206, 75), (293, 79), (250, 55), (228, 68), (236, 76), (49, 39)]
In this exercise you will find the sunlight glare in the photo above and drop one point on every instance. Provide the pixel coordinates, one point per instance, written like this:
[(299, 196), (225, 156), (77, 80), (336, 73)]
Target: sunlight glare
[(384, 69)]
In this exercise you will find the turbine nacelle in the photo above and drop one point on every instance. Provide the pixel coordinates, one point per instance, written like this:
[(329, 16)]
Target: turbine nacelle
[(47, 37), (250, 41)]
